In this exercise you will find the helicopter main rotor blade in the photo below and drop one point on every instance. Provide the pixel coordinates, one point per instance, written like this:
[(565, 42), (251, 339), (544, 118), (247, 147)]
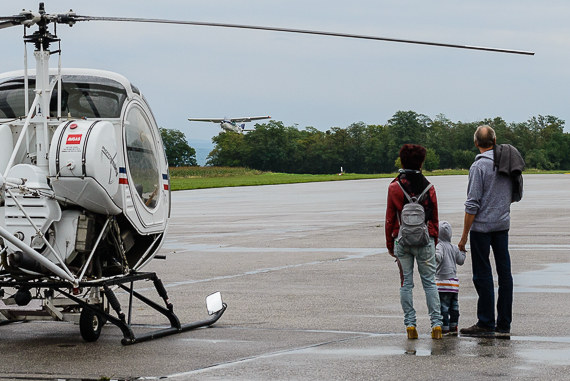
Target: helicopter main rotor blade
[(304, 31), (7, 22)]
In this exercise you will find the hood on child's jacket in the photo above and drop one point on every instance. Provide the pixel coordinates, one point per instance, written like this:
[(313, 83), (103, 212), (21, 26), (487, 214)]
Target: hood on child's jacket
[(444, 231), (447, 255)]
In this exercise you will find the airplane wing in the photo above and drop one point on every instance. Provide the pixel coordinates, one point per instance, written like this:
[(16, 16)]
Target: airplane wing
[(213, 120), (220, 120), (249, 118)]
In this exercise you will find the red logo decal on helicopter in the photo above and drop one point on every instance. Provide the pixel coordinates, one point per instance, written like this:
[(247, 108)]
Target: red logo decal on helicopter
[(73, 139)]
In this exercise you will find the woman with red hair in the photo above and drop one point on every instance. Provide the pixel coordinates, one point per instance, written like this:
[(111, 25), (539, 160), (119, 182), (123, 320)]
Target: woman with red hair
[(413, 182)]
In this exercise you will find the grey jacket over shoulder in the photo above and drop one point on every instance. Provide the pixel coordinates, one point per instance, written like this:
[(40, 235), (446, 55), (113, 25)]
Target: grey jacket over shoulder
[(447, 255), (489, 196), (509, 162), (508, 159)]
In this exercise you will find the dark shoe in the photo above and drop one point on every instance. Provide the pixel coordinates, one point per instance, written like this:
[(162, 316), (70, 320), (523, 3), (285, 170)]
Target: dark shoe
[(452, 331), (503, 333), (476, 330)]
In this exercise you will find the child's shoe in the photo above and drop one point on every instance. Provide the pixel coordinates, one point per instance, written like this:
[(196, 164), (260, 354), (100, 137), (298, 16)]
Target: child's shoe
[(451, 332), (436, 332), (412, 332)]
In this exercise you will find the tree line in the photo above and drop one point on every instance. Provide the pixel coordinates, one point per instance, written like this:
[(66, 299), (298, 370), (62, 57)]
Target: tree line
[(361, 148), (178, 151)]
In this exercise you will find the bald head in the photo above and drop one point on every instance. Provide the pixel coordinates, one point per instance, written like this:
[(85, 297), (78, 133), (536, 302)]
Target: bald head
[(484, 137)]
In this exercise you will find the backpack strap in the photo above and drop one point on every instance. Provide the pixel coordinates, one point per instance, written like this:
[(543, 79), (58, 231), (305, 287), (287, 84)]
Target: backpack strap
[(405, 193), (415, 199), (424, 192)]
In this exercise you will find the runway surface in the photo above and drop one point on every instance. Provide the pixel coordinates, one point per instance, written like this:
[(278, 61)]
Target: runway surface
[(313, 295)]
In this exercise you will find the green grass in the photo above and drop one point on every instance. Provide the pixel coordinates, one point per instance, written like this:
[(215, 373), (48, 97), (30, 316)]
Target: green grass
[(185, 178), (216, 177)]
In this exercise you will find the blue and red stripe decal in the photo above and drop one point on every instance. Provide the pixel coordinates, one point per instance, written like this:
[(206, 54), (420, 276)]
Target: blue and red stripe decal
[(124, 180), (166, 182), (123, 176)]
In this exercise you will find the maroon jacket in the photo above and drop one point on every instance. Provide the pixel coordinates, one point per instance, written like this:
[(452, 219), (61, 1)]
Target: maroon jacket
[(414, 184)]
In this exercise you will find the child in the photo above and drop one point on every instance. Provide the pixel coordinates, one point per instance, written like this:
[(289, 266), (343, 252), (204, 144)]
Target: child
[(447, 257)]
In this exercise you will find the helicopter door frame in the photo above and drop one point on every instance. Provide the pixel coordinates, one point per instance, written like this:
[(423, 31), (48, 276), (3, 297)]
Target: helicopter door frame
[(153, 219)]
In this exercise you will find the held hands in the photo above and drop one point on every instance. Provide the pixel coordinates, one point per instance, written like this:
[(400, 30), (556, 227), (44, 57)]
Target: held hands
[(462, 243)]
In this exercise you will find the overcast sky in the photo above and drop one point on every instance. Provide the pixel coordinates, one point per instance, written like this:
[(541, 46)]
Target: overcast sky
[(192, 71)]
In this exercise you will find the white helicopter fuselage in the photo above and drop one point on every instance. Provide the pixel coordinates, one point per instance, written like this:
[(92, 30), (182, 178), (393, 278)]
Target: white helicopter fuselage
[(98, 167)]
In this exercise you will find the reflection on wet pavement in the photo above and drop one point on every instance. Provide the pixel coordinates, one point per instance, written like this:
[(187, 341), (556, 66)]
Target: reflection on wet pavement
[(551, 356), (554, 278)]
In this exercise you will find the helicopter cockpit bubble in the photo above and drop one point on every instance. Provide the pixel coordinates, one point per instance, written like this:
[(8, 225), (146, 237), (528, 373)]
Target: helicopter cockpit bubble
[(142, 157), (145, 170)]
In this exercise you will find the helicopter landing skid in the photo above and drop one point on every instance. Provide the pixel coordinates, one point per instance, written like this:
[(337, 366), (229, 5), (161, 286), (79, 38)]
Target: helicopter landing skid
[(94, 315)]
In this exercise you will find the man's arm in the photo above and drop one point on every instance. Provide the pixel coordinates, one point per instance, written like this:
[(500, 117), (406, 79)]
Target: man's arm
[(467, 222)]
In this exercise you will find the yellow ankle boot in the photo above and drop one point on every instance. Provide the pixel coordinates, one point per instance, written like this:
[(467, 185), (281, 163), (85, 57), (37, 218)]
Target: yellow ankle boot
[(412, 332)]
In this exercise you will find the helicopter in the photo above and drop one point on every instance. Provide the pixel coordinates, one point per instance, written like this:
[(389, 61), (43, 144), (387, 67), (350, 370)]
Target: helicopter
[(85, 189), (231, 124)]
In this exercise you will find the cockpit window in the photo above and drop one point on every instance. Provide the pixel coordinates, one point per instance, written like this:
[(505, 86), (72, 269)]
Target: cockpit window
[(142, 157), (81, 97)]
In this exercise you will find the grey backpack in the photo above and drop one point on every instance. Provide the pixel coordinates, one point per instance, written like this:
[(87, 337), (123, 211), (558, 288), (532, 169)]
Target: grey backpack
[(413, 227)]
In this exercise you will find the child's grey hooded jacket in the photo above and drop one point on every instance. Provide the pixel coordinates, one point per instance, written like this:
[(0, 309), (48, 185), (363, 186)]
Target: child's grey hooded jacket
[(447, 255)]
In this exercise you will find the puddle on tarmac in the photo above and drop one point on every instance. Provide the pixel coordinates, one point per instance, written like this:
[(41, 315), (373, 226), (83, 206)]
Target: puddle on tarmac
[(418, 352), (547, 351), (555, 354), (546, 339), (550, 356), (419, 348), (554, 278), (361, 352), (544, 350)]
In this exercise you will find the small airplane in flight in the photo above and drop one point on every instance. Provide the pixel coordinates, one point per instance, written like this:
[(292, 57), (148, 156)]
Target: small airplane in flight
[(231, 124)]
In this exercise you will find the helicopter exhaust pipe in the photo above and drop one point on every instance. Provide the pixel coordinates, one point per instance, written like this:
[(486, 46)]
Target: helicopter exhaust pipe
[(19, 259), (35, 255)]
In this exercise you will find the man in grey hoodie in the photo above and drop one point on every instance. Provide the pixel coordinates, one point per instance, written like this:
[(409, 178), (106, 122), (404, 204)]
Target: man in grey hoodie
[(487, 222)]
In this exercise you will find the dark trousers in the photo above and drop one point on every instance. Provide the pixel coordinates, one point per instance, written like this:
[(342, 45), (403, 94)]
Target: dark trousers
[(449, 309), (481, 243)]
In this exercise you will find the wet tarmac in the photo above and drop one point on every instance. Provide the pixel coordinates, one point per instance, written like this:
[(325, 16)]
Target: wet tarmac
[(313, 295)]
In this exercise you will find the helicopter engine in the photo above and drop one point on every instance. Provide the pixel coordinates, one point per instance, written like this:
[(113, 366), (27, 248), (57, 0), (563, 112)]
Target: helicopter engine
[(32, 226), (83, 165)]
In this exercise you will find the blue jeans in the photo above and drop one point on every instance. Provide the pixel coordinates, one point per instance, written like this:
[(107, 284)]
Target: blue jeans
[(481, 244), (449, 309), (425, 257)]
